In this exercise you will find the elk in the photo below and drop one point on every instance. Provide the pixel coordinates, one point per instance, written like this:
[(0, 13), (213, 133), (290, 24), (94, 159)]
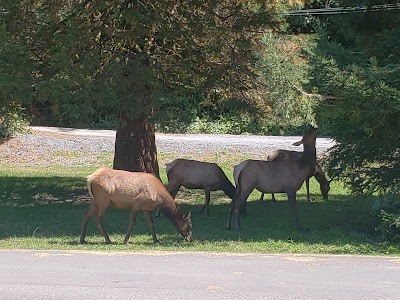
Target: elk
[(319, 174), (135, 191), (277, 176), (194, 174)]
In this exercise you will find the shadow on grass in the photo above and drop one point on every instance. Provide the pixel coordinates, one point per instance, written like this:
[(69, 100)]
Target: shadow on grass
[(51, 207), (32, 191)]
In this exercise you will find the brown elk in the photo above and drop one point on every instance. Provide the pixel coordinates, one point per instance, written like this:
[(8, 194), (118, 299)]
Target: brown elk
[(135, 191), (319, 174), (278, 176), (194, 174)]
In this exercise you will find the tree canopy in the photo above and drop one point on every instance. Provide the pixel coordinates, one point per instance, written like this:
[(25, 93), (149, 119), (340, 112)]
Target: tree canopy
[(88, 58), (135, 57)]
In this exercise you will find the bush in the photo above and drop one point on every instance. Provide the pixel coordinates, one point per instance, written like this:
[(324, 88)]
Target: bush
[(12, 120), (388, 210), (225, 124)]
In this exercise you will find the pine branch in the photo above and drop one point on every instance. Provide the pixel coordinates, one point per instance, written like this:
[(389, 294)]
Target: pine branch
[(325, 97)]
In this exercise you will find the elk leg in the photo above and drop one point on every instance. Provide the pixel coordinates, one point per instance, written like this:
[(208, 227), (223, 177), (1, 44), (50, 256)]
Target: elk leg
[(89, 212), (230, 211), (207, 203), (100, 225), (308, 189), (149, 220), (132, 221), (237, 219), (293, 207), (243, 208), (240, 205), (240, 208)]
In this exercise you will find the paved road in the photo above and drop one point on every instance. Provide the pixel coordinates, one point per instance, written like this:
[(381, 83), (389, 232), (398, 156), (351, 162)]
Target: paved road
[(118, 275)]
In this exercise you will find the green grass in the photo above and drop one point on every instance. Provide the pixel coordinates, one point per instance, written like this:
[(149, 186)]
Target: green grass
[(43, 208)]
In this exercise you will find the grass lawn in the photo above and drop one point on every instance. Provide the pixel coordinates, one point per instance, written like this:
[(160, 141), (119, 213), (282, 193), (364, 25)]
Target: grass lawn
[(42, 208)]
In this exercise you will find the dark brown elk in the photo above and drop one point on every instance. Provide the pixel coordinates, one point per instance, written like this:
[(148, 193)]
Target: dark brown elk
[(194, 174), (134, 191), (278, 176), (319, 174)]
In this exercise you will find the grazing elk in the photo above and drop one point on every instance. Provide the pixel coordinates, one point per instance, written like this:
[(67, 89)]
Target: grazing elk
[(135, 191), (319, 174), (278, 176), (194, 174)]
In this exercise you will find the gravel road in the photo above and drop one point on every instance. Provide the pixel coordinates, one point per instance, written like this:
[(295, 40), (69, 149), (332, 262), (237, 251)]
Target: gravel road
[(67, 146)]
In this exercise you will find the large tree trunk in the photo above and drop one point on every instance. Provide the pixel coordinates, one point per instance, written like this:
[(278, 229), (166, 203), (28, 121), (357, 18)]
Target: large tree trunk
[(135, 146)]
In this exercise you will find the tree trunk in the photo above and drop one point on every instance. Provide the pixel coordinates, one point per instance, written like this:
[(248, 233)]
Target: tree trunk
[(135, 146)]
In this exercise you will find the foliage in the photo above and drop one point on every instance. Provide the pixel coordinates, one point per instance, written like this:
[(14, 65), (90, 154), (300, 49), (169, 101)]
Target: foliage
[(95, 58), (12, 120), (363, 116), (15, 84), (284, 72), (388, 211), (176, 113), (224, 125)]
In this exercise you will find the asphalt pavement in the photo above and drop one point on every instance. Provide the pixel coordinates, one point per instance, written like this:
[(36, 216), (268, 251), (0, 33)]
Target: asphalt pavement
[(38, 275)]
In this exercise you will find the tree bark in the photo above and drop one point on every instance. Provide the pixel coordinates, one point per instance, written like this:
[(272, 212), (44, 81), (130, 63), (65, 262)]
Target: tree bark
[(135, 146)]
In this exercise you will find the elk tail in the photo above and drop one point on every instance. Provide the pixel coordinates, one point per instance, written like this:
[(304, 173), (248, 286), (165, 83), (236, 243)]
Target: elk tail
[(89, 186)]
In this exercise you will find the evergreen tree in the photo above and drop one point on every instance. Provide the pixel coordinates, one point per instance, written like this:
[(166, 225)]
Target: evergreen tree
[(359, 63)]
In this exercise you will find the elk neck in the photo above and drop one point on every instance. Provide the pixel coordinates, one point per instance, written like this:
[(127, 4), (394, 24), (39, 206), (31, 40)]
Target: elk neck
[(320, 175), (171, 210), (309, 157)]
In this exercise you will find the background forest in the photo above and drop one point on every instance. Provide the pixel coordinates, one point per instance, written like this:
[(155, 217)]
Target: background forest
[(234, 67)]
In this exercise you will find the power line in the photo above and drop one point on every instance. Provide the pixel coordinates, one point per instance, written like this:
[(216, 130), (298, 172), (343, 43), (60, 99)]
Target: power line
[(342, 10)]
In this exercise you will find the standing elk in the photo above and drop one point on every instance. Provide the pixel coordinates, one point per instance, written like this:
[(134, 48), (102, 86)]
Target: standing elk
[(278, 176), (319, 174), (135, 191), (194, 174)]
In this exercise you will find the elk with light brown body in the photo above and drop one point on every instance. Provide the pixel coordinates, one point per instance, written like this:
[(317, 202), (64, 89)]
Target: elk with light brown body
[(319, 174), (135, 191), (194, 174), (278, 176)]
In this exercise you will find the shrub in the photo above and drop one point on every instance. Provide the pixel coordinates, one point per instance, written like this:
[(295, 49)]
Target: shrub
[(388, 210), (12, 120)]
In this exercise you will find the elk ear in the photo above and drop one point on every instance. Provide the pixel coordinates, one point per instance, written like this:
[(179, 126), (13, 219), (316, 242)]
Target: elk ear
[(298, 143), (188, 215)]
